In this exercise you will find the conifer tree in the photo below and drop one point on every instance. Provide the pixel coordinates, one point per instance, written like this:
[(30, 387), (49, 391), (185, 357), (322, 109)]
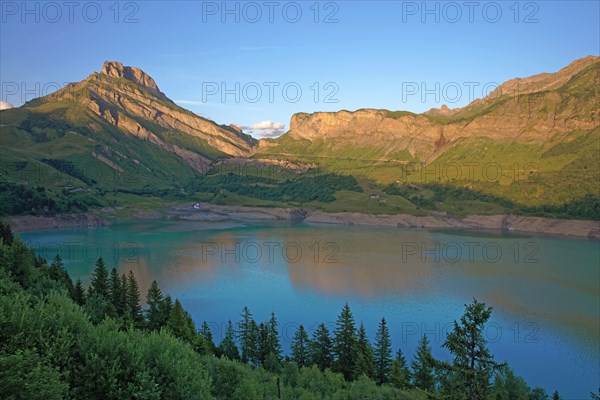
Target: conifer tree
[(79, 293), (245, 336), (300, 345), (165, 310), (58, 273), (274, 343), (154, 301), (227, 347), (321, 348), (207, 335), (134, 309), (117, 293), (181, 324), (556, 395), (422, 365), (400, 374), (364, 363), (344, 343), (382, 353), (473, 364), (253, 356), (263, 343), (99, 284)]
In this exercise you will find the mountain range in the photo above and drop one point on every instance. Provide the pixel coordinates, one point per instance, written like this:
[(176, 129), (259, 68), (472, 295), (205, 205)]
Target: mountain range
[(532, 142)]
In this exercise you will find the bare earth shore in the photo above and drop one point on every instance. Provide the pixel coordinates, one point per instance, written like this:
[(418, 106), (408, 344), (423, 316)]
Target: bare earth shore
[(511, 223), (214, 213), (59, 221)]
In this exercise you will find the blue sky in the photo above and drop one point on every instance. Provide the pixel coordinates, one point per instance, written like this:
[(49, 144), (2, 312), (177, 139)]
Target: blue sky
[(230, 64)]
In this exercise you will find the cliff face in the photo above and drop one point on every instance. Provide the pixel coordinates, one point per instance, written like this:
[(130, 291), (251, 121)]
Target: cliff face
[(530, 110), (130, 100)]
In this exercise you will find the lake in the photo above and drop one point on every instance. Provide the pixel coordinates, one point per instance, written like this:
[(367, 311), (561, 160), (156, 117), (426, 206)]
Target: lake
[(545, 290)]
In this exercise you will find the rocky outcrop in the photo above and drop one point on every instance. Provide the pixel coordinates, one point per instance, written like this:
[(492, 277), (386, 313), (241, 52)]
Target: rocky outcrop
[(130, 100), (529, 110), (135, 75)]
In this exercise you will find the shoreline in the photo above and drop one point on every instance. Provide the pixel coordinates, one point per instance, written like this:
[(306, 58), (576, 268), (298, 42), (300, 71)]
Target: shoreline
[(26, 223), (580, 229)]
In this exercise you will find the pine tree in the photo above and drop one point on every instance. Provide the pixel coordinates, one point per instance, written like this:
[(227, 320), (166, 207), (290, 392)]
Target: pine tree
[(253, 356), (344, 343), (165, 310), (263, 343), (400, 374), (423, 365), (99, 284), (56, 268), (180, 324), (207, 335), (79, 293), (556, 396), (227, 347), (274, 344), (58, 273), (245, 336), (365, 362), (383, 353), (154, 300), (473, 363), (300, 345), (321, 348), (117, 293), (134, 309), (6, 234)]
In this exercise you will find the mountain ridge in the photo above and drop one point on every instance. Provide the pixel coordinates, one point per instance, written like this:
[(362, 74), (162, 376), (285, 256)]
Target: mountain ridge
[(118, 122)]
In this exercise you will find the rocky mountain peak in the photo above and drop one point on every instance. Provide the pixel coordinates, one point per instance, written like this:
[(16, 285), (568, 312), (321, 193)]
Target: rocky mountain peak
[(117, 70)]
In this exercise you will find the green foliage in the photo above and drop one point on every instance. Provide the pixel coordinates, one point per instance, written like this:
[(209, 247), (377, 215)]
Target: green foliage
[(301, 189), (321, 348), (69, 168), (23, 375), (423, 366), (6, 234), (154, 299), (399, 373), (206, 335), (473, 364), (17, 199), (246, 335), (228, 348), (99, 285), (345, 343), (133, 309), (79, 293), (383, 353), (300, 345), (365, 362), (117, 293)]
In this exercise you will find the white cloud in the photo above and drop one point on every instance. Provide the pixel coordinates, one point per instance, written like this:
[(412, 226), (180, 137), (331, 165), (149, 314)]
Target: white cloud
[(266, 129), (4, 105)]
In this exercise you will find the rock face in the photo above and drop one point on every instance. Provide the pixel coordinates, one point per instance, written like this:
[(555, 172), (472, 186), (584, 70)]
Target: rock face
[(135, 75), (130, 100), (530, 110)]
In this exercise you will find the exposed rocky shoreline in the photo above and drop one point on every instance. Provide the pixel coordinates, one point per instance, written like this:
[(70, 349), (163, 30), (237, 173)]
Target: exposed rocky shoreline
[(505, 223), (215, 213), (58, 221)]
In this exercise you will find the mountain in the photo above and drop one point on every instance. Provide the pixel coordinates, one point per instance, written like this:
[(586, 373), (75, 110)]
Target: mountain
[(118, 129), (532, 140), (531, 146)]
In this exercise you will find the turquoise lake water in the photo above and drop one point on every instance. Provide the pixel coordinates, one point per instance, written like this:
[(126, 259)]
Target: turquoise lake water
[(545, 290)]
